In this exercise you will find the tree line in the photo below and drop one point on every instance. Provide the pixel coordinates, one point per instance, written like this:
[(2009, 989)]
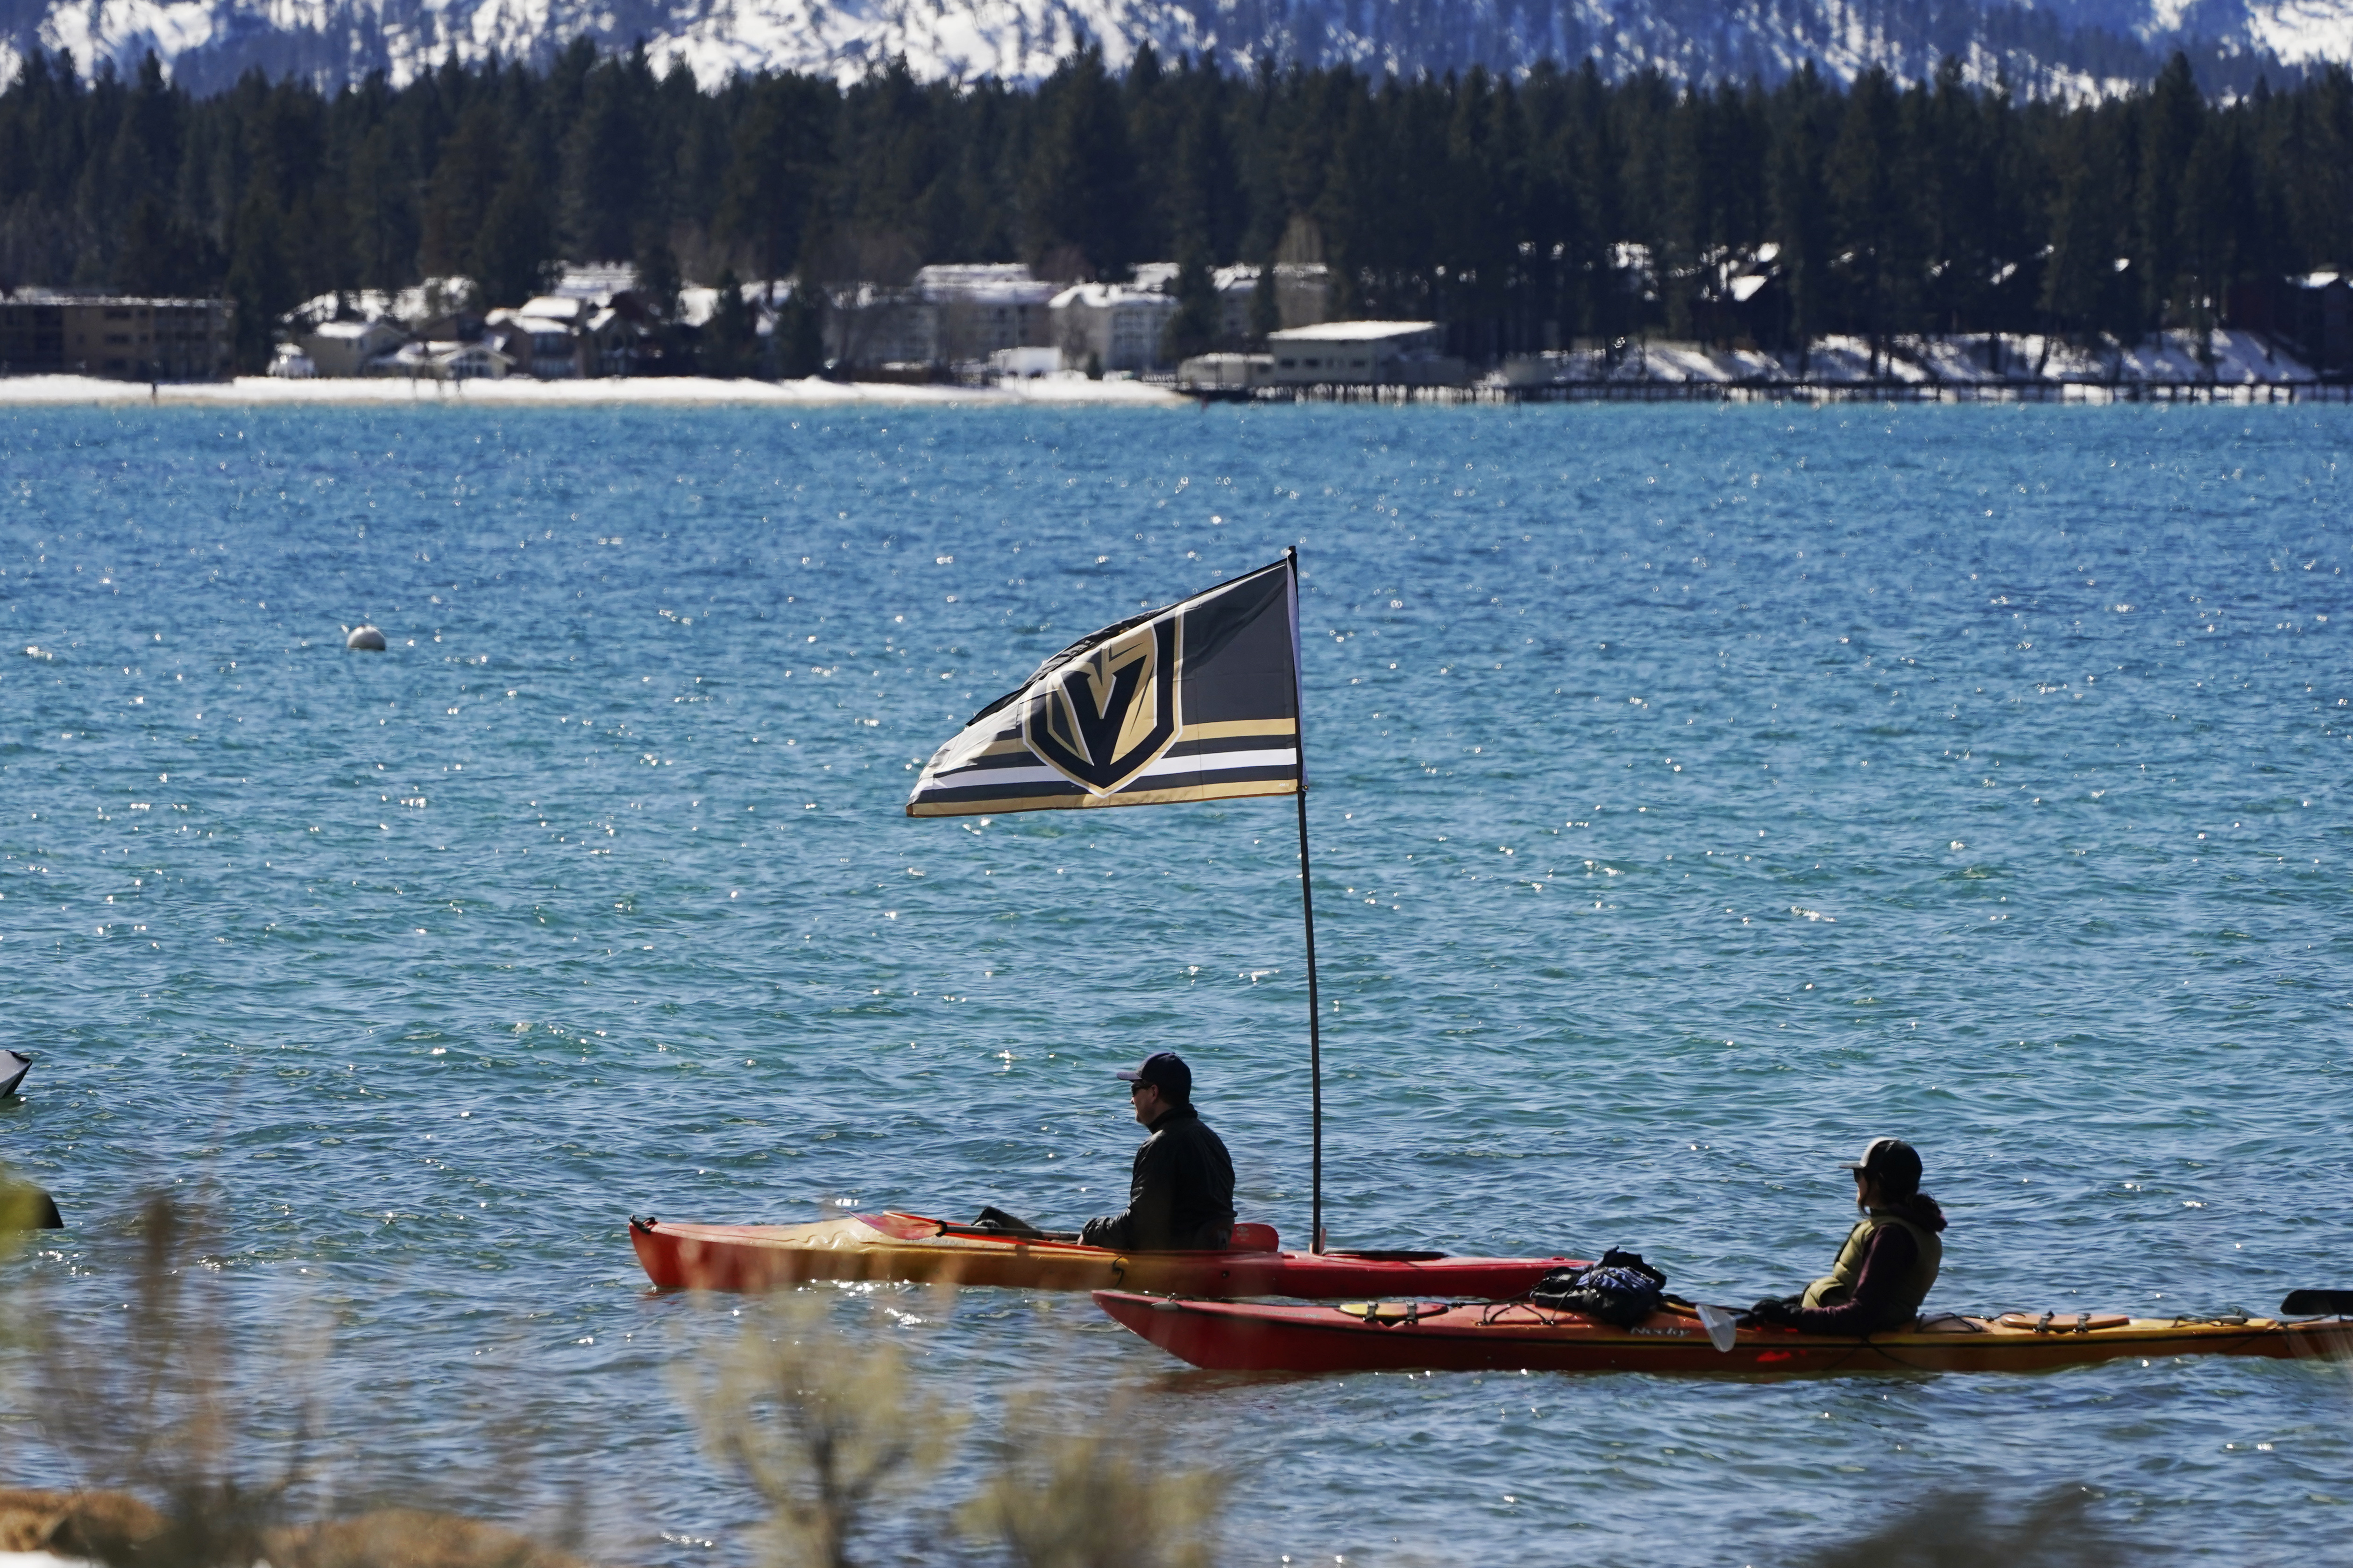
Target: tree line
[(1523, 212)]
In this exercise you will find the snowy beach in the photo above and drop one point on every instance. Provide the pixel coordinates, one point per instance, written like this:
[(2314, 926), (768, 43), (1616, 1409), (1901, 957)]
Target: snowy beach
[(517, 391)]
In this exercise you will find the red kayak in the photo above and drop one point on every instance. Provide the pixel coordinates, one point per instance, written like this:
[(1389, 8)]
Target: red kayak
[(1514, 1336), (910, 1246)]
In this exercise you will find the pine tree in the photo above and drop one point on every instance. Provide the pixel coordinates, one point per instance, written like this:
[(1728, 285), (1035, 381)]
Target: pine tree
[(512, 257), (800, 335), (2172, 119), (730, 342), (1081, 184), (2213, 214), (1193, 330), (780, 152), (259, 280)]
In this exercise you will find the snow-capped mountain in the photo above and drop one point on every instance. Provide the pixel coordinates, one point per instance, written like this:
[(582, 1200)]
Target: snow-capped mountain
[(2069, 45)]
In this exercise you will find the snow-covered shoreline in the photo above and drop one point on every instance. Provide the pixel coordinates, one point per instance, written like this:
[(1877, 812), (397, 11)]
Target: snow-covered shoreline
[(1965, 366), (678, 392)]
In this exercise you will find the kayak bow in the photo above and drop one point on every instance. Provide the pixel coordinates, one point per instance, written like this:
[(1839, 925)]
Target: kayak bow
[(912, 1247), (1508, 1336)]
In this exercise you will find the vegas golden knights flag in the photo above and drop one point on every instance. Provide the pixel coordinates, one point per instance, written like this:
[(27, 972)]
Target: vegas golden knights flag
[(1198, 701)]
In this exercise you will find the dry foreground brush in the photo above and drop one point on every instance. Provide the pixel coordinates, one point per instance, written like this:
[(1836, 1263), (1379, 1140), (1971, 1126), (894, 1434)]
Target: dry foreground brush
[(190, 1448)]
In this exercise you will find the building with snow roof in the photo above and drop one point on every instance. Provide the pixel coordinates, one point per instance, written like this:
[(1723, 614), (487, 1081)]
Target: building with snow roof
[(1364, 353), (346, 348), (546, 345), (979, 309), (1116, 326)]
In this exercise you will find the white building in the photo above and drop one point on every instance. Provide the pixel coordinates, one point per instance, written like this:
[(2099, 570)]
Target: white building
[(1363, 353), (594, 281), (444, 360), (344, 348), (876, 324), (542, 339), (1225, 373), (1303, 296), (1117, 326), (977, 309), (1026, 364)]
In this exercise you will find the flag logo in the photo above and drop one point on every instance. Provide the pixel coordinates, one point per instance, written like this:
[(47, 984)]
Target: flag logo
[(1105, 717), (1197, 701)]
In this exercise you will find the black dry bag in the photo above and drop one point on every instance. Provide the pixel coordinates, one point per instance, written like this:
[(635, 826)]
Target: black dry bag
[(1621, 1289)]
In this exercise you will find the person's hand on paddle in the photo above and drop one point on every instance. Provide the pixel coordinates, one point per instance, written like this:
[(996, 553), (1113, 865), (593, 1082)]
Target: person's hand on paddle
[(1775, 1310)]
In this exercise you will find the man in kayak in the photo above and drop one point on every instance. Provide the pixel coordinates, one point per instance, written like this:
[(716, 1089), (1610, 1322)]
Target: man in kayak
[(1181, 1196), (1890, 1259)]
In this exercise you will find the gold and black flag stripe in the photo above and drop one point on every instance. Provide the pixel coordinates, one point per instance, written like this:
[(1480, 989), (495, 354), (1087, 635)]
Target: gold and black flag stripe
[(1198, 701)]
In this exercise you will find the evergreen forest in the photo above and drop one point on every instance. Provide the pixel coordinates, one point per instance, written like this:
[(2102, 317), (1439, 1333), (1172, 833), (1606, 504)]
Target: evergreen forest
[(1523, 212)]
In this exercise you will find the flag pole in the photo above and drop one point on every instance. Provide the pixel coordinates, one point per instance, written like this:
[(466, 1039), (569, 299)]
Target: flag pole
[(1307, 913)]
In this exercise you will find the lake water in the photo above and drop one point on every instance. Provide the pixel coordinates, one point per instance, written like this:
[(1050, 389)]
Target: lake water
[(1699, 793)]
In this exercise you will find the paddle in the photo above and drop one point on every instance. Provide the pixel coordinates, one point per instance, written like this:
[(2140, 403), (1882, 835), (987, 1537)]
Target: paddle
[(2317, 1303), (1721, 1324), (996, 1222)]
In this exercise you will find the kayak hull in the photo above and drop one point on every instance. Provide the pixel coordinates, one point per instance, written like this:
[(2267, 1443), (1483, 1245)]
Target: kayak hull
[(912, 1247), (1516, 1336)]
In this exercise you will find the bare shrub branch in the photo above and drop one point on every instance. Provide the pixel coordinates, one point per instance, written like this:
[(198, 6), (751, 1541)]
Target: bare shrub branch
[(1107, 1495), (1964, 1529), (157, 1401), (824, 1430)]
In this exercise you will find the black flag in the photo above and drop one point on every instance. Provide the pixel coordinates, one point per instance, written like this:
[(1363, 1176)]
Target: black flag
[(1198, 701)]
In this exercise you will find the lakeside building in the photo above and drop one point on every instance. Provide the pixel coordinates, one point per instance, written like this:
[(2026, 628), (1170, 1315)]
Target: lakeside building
[(592, 321), (875, 326), (951, 314), (1225, 373), (1303, 297), (425, 359), (2313, 314), (547, 336), (453, 298), (1112, 326), (1364, 353), (119, 337), (980, 310), (1332, 354), (344, 348)]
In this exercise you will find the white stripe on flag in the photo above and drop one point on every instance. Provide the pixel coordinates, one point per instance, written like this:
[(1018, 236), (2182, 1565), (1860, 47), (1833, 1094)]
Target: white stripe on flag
[(1200, 763)]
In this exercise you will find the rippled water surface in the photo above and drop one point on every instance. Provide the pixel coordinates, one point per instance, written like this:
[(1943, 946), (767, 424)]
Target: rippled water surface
[(1698, 793)]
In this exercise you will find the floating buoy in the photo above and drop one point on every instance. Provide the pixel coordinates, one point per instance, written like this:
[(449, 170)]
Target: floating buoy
[(366, 638)]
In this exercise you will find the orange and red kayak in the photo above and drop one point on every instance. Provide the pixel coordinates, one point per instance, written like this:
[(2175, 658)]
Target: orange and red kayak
[(912, 1247), (1512, 1336)]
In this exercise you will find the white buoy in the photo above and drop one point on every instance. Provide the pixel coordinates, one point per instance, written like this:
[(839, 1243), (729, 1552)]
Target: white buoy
[(365, 638)]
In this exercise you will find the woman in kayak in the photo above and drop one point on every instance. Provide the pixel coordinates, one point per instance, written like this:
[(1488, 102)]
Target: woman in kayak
[(1890, 1259), (1180, 1196)]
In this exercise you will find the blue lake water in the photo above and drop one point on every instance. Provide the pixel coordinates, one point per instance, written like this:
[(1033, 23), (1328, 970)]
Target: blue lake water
[(1698, 793)]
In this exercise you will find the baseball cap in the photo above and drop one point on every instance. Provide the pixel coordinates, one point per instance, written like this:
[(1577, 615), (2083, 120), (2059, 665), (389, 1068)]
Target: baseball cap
[(1165, 1070), (1891, 1159)]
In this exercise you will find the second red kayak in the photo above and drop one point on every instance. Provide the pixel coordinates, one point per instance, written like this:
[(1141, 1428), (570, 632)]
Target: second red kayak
[(912, 1247), (1512, 1336)]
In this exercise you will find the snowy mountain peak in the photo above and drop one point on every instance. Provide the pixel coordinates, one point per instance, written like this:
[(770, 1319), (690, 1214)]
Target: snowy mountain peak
[(2054, 44)]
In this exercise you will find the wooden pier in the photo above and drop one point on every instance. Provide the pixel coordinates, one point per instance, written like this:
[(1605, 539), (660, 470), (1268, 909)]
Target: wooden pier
[(2237, 393)]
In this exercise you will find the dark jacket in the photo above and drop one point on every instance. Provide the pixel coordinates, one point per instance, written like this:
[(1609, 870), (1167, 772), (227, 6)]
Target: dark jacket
[(1887, 1293), (1181, 1196)]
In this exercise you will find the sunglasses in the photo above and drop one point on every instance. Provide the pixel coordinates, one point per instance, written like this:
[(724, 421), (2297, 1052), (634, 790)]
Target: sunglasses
[(1138, 1087)]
